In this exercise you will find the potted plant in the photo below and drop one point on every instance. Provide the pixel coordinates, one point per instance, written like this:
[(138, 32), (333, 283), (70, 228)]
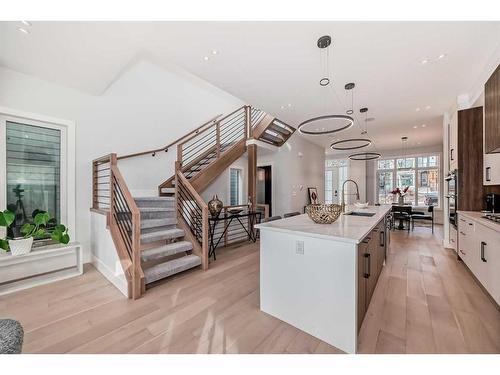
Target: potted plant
[(401, 194), (30, 231)]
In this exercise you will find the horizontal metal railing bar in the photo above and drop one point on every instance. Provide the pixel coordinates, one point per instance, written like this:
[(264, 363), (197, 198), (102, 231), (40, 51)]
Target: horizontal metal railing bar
[(177, 141), (196, 141), (201, 147), (236, 119)]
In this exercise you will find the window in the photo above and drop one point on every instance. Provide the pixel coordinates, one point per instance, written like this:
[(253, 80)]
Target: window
[(420, 174), (235, 187), (33, 171), (335, 175)]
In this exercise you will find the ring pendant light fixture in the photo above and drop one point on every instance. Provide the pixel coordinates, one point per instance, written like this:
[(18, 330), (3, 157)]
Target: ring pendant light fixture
[(341, 145), (350, 87), (363, 156), (327, 124)]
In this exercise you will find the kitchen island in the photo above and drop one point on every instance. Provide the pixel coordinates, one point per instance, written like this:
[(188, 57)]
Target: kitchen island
[(320, 277)]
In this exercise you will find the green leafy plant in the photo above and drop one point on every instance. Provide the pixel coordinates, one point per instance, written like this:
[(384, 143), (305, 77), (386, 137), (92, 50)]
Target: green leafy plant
[(38, 229), (6, 219)]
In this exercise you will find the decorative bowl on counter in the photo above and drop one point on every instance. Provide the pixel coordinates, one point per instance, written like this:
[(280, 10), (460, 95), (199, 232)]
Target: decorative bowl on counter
[(324, 213)]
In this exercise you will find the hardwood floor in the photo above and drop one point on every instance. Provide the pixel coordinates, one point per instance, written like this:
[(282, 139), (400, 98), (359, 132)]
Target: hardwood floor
[(425, 302)]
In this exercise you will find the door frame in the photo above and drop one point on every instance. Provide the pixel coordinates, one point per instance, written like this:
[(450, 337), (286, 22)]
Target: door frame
[(273, 187), (68, 159)]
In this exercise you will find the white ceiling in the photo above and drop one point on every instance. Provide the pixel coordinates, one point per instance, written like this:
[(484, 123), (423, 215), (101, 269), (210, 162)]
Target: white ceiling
[(274, 64)]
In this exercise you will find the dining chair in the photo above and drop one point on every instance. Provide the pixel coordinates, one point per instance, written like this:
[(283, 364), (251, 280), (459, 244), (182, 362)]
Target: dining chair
[(418, 215)]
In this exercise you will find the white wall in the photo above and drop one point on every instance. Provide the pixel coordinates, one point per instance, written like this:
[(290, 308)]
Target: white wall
[(296, 165), (220, 185), (147, 107)]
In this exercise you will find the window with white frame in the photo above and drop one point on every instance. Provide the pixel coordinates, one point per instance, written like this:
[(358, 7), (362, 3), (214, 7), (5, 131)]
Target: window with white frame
[(33, 170), (235, 187), (419, 173), (335, 175)]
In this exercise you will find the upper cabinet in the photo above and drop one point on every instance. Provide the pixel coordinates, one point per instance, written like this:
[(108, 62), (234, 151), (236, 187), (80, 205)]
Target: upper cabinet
[(492, 113)]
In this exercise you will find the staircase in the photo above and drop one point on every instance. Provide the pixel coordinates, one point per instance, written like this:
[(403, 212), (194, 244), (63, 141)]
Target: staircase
[(157, 237), (164, 250)]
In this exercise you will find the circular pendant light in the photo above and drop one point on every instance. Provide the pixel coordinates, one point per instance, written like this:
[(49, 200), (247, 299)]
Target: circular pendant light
[(350, 144), (349, 87), (362, 156), (327, 124)]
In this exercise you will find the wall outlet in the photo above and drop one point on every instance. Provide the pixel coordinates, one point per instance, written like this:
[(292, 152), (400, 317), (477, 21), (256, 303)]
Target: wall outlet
[(299, 247)]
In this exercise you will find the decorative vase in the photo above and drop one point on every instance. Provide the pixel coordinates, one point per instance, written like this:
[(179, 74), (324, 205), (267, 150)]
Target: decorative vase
[(401, 200), (20, 246), (215, 206)]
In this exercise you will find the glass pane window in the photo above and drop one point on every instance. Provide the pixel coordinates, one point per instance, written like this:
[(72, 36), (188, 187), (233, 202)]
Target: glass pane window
[(235, 193), (428, 161), (428, 187), (385, 186), (405, 163), (33, 171), (386, 164), (407, 179), (328, 187)]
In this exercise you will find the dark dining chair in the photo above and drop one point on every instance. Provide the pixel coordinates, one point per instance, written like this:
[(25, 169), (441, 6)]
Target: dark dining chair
[(403, 214), (418, 215)]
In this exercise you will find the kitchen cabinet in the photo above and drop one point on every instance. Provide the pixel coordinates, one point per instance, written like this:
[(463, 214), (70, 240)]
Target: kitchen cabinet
[(486, 260), (371, 257), (478, 248), (453, 142), (362, 305), (491, 169), (492, 113)]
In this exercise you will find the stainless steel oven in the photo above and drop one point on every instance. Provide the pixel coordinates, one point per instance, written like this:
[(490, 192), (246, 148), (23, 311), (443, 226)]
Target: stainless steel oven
[(451, 180)]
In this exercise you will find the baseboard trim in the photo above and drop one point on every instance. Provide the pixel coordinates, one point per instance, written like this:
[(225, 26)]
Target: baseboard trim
[(119, 282)]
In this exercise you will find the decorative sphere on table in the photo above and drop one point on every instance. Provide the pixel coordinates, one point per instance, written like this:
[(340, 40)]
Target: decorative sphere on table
[(215, 206)]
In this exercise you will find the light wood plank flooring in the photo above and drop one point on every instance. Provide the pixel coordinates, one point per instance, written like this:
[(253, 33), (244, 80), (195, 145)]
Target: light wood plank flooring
[(425, 302)]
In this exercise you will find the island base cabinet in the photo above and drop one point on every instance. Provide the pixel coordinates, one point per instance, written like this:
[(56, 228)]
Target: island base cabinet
[(362, 305)]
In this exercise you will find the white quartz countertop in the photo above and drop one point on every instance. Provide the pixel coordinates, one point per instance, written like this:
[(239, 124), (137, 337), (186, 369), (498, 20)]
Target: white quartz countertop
[(346, 228), (478, 217)]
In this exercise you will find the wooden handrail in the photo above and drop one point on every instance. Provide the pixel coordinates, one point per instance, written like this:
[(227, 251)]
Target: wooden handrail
[(192, 191), (197, 131), (216, 122), (137, 273)]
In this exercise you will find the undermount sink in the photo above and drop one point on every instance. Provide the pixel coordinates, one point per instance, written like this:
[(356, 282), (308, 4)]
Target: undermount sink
[(354, 213)]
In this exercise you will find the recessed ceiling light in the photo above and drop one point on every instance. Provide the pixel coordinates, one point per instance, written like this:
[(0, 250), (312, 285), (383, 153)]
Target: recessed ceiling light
[(417, 109), (415, 127), (427, 107), (215, 52), (282, 107), (424, 125), (419, 143), (425, 61), (23, 30), (441, 56), (26, 23), (206, 58), (289, 105)]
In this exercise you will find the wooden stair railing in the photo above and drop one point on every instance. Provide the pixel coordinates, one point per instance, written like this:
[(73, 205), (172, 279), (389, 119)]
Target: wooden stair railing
[(192, 215), (112, 197)]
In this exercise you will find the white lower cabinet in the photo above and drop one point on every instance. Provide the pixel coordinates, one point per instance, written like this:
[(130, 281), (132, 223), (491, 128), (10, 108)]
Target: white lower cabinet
[(479, 248)]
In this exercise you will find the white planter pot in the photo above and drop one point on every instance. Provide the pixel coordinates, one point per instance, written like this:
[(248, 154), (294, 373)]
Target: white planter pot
[(21, 246)]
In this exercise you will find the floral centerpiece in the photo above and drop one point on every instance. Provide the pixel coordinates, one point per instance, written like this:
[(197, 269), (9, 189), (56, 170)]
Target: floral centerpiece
[(400, 194)]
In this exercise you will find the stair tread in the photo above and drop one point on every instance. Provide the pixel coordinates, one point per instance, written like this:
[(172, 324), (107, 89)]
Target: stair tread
[(163, 234), (166, 250), (151, 223), (172, 267), (156, 209), (153, 199)]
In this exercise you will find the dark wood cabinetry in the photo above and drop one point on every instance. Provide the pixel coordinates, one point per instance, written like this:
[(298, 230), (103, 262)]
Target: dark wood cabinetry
[(492, 113), (371, 256), (470, 161)]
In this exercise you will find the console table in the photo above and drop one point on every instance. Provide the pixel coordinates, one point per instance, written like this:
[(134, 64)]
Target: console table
[(42, 265)]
